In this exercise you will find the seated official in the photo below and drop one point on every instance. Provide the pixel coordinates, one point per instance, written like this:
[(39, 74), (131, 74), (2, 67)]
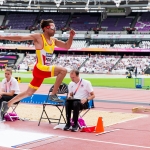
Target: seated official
[(80, 92), (9, 87)]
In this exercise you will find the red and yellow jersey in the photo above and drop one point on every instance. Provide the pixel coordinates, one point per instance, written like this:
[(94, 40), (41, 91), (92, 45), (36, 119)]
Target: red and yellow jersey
[(43, 53), (41, 70)]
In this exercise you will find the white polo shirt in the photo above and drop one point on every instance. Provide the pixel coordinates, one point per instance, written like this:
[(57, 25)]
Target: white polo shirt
[(12, 85), (84, 90)]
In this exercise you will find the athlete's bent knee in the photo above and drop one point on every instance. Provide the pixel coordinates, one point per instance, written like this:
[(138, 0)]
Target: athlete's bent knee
[(64, 71)]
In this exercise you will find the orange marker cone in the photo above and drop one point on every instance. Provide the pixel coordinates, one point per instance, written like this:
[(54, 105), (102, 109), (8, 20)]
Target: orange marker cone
[(99, 127)]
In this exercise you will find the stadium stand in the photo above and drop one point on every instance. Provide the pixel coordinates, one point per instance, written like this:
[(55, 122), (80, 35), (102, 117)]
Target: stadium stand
[(143, 24), (79, 44), (20, 20), (83, 44), (141, 62), (60, 19), (116, 23), (145, 44), (99, 64), (84, 22), (7, 60), (28, 61), (99, 46), (70, 61)]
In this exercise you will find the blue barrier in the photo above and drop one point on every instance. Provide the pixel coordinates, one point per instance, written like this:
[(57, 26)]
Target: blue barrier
[(26, 100), (41, 98)]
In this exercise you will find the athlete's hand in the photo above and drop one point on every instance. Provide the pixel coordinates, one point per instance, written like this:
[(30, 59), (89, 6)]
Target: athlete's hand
[(72, 33)]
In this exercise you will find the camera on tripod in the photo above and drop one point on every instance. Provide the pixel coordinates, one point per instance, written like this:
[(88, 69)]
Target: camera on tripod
[(130, 68)]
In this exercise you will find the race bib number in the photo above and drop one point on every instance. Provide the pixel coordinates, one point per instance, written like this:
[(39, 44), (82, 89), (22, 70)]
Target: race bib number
[(49, 58)]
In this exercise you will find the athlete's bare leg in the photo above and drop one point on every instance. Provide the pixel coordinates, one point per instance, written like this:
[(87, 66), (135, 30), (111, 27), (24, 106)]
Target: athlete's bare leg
[(22, 95), (60, 72)]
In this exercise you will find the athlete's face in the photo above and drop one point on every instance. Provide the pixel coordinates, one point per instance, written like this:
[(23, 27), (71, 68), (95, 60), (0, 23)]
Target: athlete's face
[(7, 75), (51, 29)]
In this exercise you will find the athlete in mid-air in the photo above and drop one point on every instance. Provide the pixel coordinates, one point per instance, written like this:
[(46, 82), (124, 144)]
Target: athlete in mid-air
[(44, 43)]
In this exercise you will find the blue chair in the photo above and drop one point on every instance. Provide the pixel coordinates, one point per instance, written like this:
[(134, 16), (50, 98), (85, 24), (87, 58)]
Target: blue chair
[(62, 94), (90, 105), (82, 113)]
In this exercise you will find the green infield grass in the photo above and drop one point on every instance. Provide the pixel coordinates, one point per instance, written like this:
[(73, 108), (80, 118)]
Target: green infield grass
[(26, 77), (99, 82)]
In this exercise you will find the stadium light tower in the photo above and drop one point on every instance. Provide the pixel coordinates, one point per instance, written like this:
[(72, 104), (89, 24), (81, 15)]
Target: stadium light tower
[(36, 1), (87, 5), (99, 6), (117, 2), (57, 2), (127, 1), (29, 5)]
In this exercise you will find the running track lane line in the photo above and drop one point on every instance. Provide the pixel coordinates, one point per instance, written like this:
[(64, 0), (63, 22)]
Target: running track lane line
[(122, 102), (113, 143)]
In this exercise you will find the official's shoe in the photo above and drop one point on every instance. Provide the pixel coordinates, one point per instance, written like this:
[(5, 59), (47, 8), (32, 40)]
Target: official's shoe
[(67, 127), (75, 128)]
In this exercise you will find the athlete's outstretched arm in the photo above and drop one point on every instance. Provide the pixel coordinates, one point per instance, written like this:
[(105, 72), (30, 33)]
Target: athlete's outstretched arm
[(18, 38), (66, 44)]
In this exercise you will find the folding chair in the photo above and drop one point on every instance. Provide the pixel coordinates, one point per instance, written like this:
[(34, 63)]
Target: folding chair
[(63, 90), (13, 113), (14, 106)]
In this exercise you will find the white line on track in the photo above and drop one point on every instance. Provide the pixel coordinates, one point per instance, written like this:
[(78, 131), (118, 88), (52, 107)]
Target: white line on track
[(106, 142)]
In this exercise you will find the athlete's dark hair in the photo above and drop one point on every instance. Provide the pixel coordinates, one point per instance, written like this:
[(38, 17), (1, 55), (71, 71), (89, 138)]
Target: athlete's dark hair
[(45, 23)]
